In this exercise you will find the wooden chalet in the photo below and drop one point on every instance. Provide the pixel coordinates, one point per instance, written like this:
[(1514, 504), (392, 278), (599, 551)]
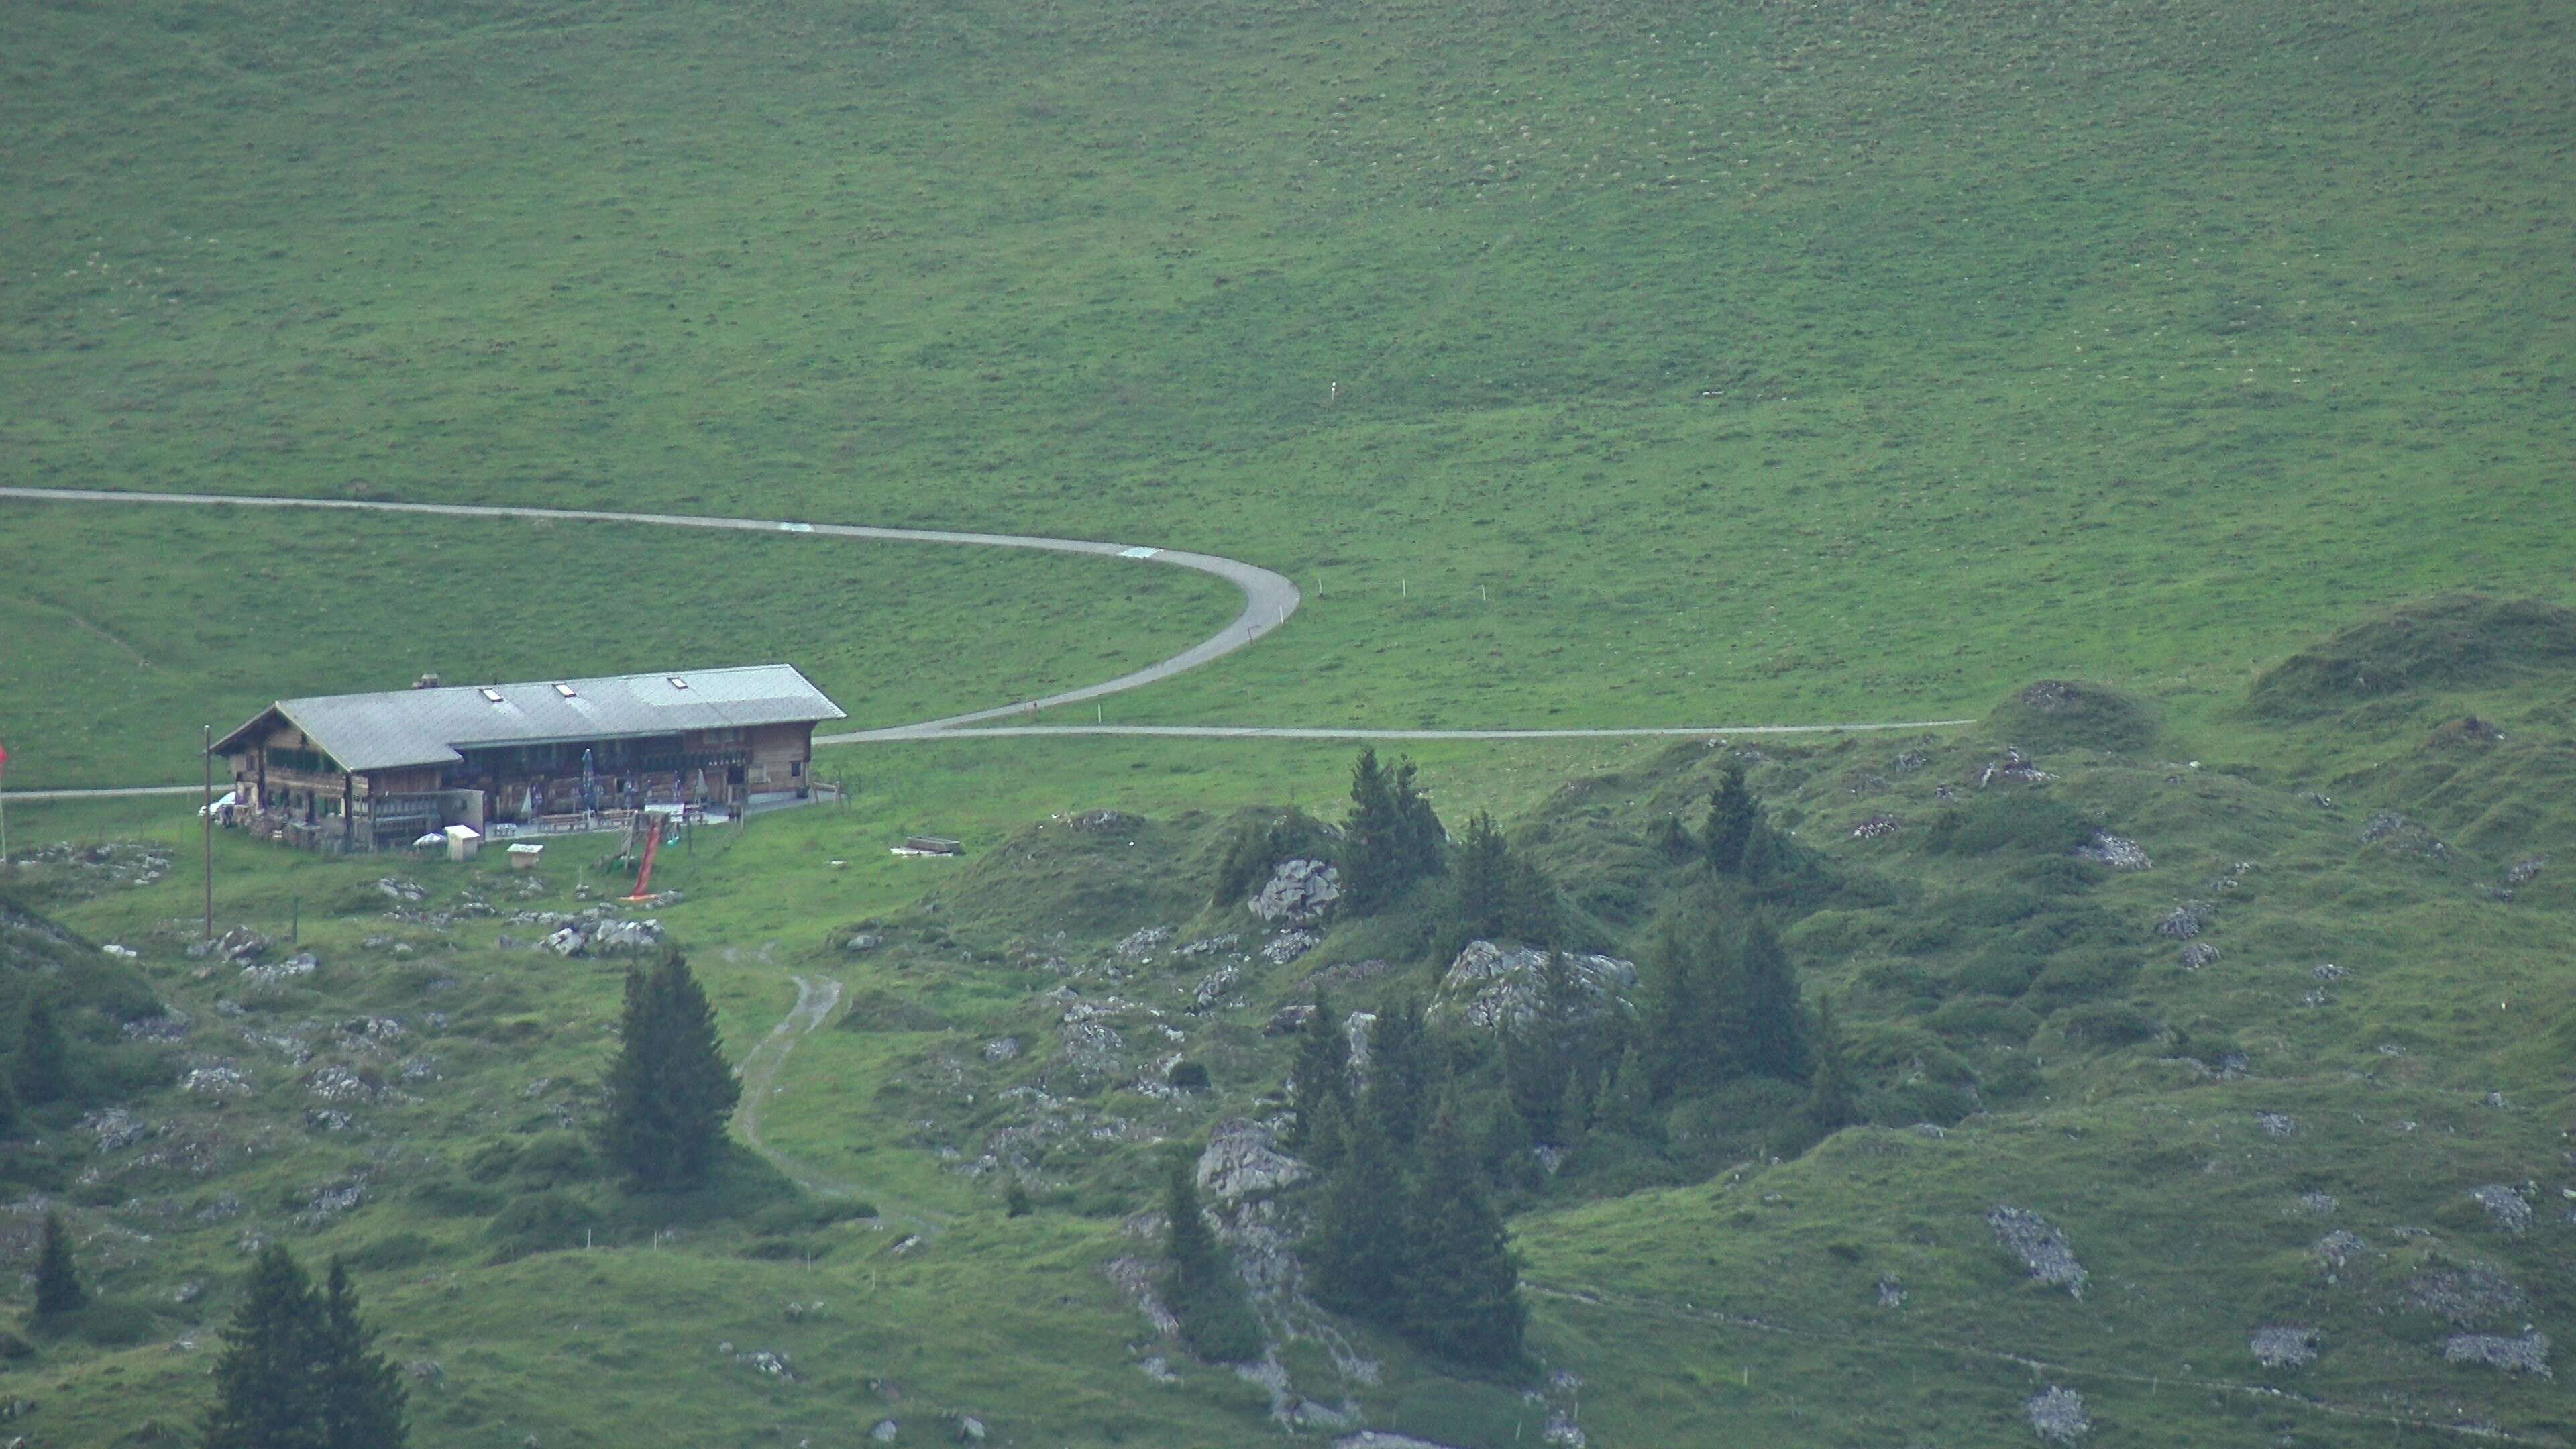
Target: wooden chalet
[(376, 771)]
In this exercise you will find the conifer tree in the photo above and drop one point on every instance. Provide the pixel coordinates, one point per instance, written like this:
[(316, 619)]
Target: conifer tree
[(669, 1091), (1356, 1247), (362, 1392), (1322, 1073), (1573, 1110), (1629, 1105), (1422, 843), (8, 1109), (1199, 1281), (1329, 1141), (1485, 880), (41, 1071), (267, 1393), (1765, 854), (1831, 1103), (58, 1285), (1765, 1030), (1459, 1284), (1371, 839), (1399, 1072), (1684, 1048), (1732, 816)]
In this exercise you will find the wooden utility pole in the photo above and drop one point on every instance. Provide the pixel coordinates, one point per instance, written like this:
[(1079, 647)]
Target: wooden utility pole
[(207, 819)]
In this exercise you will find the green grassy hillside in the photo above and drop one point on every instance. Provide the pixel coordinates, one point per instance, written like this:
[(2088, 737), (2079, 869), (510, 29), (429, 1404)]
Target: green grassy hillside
[(1603, 365), (2345, 1125), (1588, 365)]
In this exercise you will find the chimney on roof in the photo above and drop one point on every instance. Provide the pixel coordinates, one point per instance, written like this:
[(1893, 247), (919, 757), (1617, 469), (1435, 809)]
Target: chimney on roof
[(426, 681)]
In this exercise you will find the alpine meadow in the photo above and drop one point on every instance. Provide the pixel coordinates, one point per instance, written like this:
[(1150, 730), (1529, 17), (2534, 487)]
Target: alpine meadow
[(1866, 731)]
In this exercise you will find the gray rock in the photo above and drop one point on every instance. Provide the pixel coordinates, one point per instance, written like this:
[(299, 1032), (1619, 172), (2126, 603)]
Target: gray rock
[(2508, 1211), (1891, 1293), (2468, 1295), (2322, 1204), (2197, 955), (2283, 1346), (861, 944), (1001, 1049), (397, 888), (970, 1430), (2181, 924), (2527, 1353), (240, 946), (1240, 1162), (625, 937), (1492, 984), (2041, 1246), (2116, 851), (2277, 1125), (884, 1431), (2057, 1415), (1287, 946), (1298, 893), (1145, 944)]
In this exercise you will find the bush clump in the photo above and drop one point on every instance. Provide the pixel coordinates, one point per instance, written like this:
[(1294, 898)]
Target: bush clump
[(2060, 714), (2018, 822)]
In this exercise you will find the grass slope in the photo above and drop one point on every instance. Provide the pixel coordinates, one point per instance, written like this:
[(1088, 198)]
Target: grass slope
[(1602, 365)]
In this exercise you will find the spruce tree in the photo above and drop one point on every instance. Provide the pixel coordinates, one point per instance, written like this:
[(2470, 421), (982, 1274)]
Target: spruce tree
[(1573, 1110), (1199, 1281), (362, 1392), (1330, 1140), (58, 1285), (1356, 1247), (1831, 1103), (1322, 1072), (1530, 912), (1459, 1284), (1629, 1105), (1683, 1047), (41, 1071), (669, 1091), (1371, 839), (1765, 1029), (1732, 816), (1485, 880), (1765, 855), (1399, 1072), (268, 1394), (8, 1109), (1421, 842)]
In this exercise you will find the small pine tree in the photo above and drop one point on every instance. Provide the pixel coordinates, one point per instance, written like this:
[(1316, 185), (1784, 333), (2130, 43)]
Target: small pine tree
[(362, 1393), (41, 1071), (1689, 958), (1765, 855), (1831, 1103), (1015, 1201), (1573, 1110), (1356, 1246), (58, 1285), (8, 1109), (1460, 1283), (1765, 1029), (669, 1091), (1371, 870), (1329, 1141), (1732, 816), (267, 1394), (1399, 1072), (1199, 1281), (1486, 908), (1421, 842), (1322, 1072), (1530, 912), (1629, 1105)]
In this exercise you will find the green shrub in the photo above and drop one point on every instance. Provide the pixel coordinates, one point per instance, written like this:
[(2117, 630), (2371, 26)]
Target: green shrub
[(1188, 1076), (2019, 821), (556, 1159), (1987, 1018), (804, 1214), (2006, 969), (13, 1347), (2107, 1024), (545, 1222), (2060, 875), (401, 1250), (2080, 977), (449, 1198), (2063, 714)]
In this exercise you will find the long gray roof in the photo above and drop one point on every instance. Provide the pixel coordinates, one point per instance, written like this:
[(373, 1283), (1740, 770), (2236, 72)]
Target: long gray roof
[(429, 726)]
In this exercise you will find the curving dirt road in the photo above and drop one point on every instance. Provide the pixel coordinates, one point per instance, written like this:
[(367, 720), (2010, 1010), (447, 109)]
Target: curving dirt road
[(1269, 599)]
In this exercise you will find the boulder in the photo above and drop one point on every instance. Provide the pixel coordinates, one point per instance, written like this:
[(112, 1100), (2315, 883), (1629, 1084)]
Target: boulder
[(1240, 1162), (1299, 893), (1494, 983)]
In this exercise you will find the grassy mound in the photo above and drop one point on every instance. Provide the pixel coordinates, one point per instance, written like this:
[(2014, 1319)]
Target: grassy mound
[(2455, 641), (2057, 714), (1097, 873)]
